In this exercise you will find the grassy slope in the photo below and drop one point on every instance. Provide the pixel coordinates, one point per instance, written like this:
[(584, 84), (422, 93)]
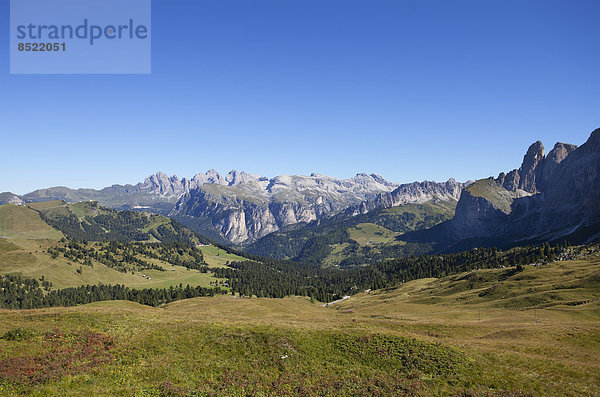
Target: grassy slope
[(28, 258), (47, 205), (29, 237), (370, 233), (490, 344), (216, 257), (494, 193), (92, 222), (22, 222), (398, 219)]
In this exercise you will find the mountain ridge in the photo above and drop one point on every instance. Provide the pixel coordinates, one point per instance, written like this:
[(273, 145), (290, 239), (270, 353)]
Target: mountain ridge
[(552, 197), (290, 200), (240, 207)]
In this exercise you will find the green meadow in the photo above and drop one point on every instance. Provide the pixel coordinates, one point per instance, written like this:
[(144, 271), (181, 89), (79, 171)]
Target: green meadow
[(513, 331), (483, 333)]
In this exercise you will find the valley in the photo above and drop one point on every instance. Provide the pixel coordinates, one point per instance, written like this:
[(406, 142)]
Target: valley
[(349, 241)]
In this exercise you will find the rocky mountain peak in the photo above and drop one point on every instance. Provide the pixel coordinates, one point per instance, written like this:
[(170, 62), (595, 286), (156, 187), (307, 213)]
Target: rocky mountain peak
[(234, 177), (379, 179), (547, 198), (162, 184), (368, 179), (592, 145), (527, 177), (551, 164), (10, 198), (560, 152), (529, 170)]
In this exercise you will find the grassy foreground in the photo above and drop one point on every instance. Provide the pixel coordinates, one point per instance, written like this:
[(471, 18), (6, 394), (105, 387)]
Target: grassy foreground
[(489, 332)]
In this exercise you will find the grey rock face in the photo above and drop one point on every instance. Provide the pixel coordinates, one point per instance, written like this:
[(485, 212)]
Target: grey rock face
[(169, 187), (411, 193), (528, 174), (552, 162), (163, 185), (483, 209), (247, 207), (573, 192), (547, 198), (10, 198), (532, 167), (512, 180)]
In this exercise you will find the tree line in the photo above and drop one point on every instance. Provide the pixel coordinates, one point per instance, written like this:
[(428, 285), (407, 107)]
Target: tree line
[(18, 292), (130, 256), (276, 279)]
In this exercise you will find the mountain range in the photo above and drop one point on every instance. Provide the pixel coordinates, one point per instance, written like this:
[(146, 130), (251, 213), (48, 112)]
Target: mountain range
[(240, 208), (548, 198)]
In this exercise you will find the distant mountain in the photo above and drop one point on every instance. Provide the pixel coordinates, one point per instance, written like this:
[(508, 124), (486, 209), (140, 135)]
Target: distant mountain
[(366, 232), (255, 207), (10, 198), (411, 193), (157, 193), (235, 208), (549, 198)]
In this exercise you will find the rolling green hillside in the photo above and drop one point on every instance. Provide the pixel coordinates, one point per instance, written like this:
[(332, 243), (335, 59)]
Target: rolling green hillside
[(347, 241), (23, 222), (169, 255), (537, 334), (484, 327), (90, 221)]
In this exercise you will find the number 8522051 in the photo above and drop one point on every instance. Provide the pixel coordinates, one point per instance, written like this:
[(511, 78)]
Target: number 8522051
[(42, 47)]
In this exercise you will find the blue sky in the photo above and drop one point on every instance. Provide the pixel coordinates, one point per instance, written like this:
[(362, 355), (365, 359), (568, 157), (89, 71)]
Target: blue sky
[(411, 90)]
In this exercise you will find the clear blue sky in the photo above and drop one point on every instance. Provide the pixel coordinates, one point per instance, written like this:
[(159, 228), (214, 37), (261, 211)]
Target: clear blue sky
[(411, 90)]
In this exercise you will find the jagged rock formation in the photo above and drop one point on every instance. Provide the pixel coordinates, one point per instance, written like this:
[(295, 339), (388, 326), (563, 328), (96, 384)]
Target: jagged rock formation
[(157, 193), (254, 206), (552, 162), (548, 198), (411, 193), (163, 185)]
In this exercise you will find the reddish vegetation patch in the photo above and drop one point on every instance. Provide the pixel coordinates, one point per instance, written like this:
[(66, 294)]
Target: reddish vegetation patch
[(67, 355), (290, 383)]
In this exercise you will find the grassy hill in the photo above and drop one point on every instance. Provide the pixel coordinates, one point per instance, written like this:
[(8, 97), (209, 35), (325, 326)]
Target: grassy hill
[(217, 257), (348, 241), (472, 334), (493, 192), (24, 222), (90, 221), (31, 258), (32, 248)]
